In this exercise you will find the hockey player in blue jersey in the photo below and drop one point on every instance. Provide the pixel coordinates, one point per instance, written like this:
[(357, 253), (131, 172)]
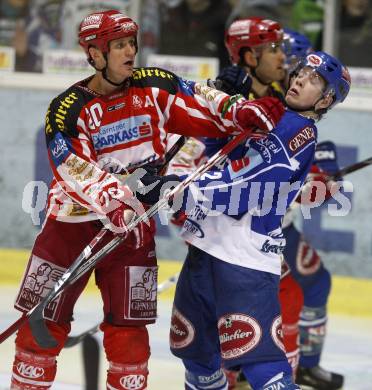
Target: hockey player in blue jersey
[(307, 269), (226, 308), (305, 264)]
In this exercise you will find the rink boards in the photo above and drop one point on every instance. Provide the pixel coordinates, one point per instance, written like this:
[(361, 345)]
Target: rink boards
[(349, 296)]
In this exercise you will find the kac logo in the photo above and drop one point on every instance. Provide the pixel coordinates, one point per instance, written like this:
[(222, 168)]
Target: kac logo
[(28, 371), (132, 382)]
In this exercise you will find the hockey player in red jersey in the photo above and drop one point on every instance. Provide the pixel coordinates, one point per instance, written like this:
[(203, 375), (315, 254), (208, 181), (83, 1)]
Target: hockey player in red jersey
[(101, 127)]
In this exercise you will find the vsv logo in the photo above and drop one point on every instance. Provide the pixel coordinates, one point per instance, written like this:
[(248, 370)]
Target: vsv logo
[(29, 371)]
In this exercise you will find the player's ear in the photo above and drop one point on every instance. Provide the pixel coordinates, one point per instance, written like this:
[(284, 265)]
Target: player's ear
[(250, 58), (325, 102), (96, 55)]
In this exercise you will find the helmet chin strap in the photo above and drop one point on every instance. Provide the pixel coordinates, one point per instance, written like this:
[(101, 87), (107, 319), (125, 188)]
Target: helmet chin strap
[(254, 73), (310, 108), (104, 71), (104, 75)]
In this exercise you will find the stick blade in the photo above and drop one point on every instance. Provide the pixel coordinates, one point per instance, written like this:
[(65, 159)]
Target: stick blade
[(74, 340), (40, 331)]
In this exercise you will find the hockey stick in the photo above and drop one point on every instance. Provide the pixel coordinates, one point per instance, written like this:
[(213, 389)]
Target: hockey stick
[(73, 340), (352, 168), (72, 274), (57, 287), (86, 252), (168, 283)]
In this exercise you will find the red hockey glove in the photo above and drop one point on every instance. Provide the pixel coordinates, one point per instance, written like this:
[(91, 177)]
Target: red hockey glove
[(119, 219), (178, 218), (261, 114), (318, 187)]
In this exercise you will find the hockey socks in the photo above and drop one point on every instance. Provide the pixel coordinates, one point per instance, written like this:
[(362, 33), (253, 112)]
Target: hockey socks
[(269, 375), (205, 376), (33, 371)]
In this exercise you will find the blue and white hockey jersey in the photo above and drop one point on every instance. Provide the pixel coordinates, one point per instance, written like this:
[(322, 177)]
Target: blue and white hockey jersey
[(235, 213)]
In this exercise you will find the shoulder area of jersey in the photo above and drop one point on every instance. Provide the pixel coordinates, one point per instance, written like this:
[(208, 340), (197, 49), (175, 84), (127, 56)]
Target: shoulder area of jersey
[(154, 77), (296, 131), (77, 91), (71, 99)]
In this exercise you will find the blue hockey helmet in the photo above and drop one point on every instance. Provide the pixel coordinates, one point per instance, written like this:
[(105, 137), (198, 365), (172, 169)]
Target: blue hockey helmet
[(295, 45), (333, 72)]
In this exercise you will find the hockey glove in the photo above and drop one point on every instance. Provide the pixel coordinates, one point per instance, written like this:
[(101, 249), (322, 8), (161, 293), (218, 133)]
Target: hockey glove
[(318, 187), (138, 236), (119, 219), (153, 187), (326, 157), (179, 218), (234, 80), (262, 114)]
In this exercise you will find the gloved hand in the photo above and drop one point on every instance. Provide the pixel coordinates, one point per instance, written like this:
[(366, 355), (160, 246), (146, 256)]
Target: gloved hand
[(119, 218), (318, 187), (326, 157), (262, 114), (178, 218), (153, 187), (234, 80)]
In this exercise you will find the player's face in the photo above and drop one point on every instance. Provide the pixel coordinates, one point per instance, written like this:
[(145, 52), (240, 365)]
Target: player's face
[(121, 58), (306, 89), (271, 63)]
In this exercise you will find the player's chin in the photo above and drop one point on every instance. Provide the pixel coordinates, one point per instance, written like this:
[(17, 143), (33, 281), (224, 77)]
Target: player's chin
[(292, 101), (280, 74), (127, 71)]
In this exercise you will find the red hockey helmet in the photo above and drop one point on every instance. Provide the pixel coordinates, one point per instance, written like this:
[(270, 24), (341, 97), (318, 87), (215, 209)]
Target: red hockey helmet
[(251, 32), (99, 28)]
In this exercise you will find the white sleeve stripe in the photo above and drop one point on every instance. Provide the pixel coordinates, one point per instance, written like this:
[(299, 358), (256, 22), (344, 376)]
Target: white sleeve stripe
[(244, 179), (81, 124), (258, 112), (192, 112), (302, 150), (163, 116)]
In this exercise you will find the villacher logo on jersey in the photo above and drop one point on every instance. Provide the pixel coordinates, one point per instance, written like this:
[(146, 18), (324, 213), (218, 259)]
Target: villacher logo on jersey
[(238, 334)]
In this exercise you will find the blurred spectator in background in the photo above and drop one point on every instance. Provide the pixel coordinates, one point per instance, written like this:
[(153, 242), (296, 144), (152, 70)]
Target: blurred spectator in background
[(150, 29), (43, 32), (356, 33), (74, 11), (12, 26), (307, 18), (53, 24), (195, 28), (279, 10)]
